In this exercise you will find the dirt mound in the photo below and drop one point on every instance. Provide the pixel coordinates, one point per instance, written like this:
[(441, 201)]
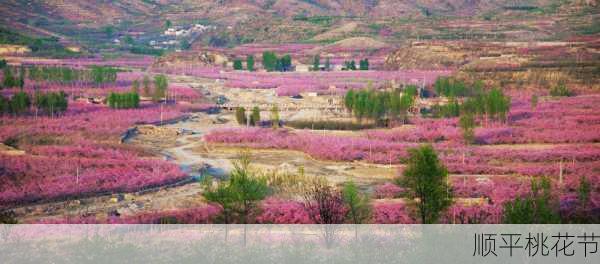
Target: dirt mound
[(202, 58), (357, 43), (425, 56), (150, 130)]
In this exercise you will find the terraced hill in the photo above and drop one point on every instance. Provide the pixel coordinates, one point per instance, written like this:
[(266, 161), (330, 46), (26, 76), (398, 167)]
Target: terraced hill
[(320, 21)]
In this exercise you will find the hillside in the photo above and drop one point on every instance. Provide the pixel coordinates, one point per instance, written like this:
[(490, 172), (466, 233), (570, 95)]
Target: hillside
[(96, 24)]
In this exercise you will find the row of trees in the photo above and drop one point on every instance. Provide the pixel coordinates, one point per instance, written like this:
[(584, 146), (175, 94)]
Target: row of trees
[(161, 85), (18, 104), (9, 80), (272, 63), (492, 105), (316, 66), (98, 75), (103, 74), (58, 74), (123, 100), (254, 118), (452, 87), (237, 64), (50, 103), (351, 65), (377, 105)]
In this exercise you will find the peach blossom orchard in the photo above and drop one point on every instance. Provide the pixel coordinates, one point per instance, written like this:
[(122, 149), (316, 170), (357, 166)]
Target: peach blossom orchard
[(78, 154)]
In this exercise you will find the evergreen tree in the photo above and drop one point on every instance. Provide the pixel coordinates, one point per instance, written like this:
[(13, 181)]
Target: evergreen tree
[(275, 117), (239, 195), (160, 87), (8, 81), (237, 65), (255, 116), (364, 64), (426, 179), (20, 102), (250, 63), (316, 63), (352, 65), (538, 208), (240, 116), (359, 209), (286, 62), (269, 60)]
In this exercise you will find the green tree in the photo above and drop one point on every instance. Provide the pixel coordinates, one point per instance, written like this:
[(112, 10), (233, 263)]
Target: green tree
[(275, 117), (160, 87), (255, 116), (109, 31), (9, 79), (364, 64), (352, 65), (583, 191), (426, 179), (327, 64), (359, 209), (538, 208), (237, 65), (185, 44), (269, 60), (129, 40), (467, 125), (20, 102), (349, 100), (168, 24), (316, 63), (240, 116), (239, 195), (250, 63), (286, 63), (4, 105)]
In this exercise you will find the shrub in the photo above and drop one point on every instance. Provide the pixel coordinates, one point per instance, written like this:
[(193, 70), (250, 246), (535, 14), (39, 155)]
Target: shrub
[(561, 90), (324, 204), (237, 65)]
